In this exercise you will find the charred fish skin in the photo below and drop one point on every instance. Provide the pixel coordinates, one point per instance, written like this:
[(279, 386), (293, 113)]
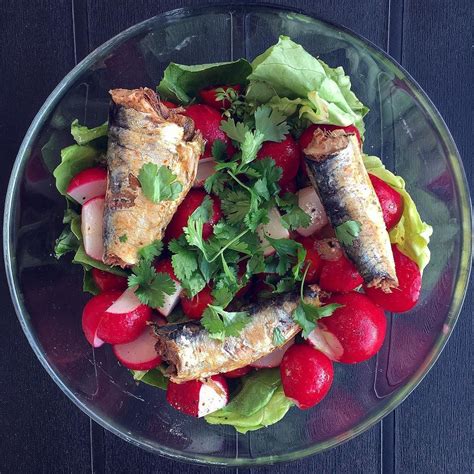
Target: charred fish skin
[(337, 172), (193, 354), (143, 130)]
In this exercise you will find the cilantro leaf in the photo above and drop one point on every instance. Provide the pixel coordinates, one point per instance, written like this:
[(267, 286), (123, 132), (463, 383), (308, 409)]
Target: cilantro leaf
[(203, 212), (306, 323), (347, 232), (159, 183), (250, 146), (221, 324), (216, 183), (218, 150), (222, 296), (278, 338), (235, 131), (235, 205), (307, 314), (271, 124), (123, 238), (295, 218), (151, 251), (184, 264)]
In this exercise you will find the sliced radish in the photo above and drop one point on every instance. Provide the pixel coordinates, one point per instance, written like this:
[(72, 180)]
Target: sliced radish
[(205, 169), (127, 302), (139, 354), (309, 201), (170, 301), (92, 221), (88, 184), (274, 358), (197, 398), (326, 342), (273, 229)]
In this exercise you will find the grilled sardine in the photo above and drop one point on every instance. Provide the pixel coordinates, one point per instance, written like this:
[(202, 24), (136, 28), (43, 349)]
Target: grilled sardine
[(337, 172), (143, 130), (192, 354)]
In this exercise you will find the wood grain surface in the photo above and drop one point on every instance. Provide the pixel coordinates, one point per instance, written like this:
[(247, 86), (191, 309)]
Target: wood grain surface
[(41, 430)]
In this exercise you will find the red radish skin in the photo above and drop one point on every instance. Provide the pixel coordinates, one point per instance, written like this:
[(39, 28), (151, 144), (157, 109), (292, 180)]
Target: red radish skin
[(274, 358), (306, 375), (194, 307), (206, 168), (164, 266), (354, 332), (209, 94), (139, 354), (390, 200), (286, 155), (273, 229), (407, 294), (309, 201), (339, 275), (290, 187), (191, 202), (92, 222), (237, 373), (93, 313), (88, 184), (241, 269), (208, 121), (313, 260), (107, 281), (196, 398)]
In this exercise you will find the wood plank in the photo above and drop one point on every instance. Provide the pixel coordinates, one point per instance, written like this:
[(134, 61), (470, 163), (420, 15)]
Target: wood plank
[(433, 424), (42, 431)]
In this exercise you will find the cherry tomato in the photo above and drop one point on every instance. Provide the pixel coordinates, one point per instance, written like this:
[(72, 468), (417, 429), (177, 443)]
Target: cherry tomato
[(208, 121), (191, 202), (194, 307), (208, 96), (285, 154), (313, 259), (168, 104), (391, 201), (107, 281), (407, 294), (236, 373), (339, 275)]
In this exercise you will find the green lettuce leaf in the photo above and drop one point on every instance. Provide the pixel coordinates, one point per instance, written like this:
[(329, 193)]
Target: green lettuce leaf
[(153, 377), (88, 283), (87, 262), (182, 83), (290, 78), (83, 135), (411, 234), (259, 403)]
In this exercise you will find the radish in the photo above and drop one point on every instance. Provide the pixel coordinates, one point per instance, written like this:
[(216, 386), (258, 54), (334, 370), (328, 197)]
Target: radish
[(197, 398), (92, 220), (354, 332), (139, 354), (237, 373), (88, 184), (273, 229), (170, 301), (306, 375), (205, 169), (309, 201), (274, 358)]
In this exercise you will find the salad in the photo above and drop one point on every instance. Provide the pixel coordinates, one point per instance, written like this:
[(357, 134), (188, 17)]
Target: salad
[(236, 239)]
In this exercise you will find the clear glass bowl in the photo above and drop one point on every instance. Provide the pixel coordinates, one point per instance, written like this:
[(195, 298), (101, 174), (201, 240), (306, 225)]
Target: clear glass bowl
[(403, 128)]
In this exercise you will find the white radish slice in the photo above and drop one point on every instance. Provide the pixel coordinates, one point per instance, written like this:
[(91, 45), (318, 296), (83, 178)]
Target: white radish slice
[(139, 354), (170, 301), (126, 303), (88, 184), (206, 168), (212, 397), (273, 229), (326, 342), (309, 201), (92, 221), (274, 358)]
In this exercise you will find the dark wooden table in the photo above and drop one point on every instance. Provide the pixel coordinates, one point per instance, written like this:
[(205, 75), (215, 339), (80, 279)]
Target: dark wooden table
[(40, 429)]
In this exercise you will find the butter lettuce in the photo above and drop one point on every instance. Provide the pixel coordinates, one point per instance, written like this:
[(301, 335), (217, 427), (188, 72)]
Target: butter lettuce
[(182, 83), (259, 403), (289, 77), (153, 377), (83, 135), (411, 234)]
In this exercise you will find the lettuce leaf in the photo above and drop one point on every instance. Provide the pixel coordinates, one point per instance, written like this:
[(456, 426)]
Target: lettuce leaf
[(260, 403), (411, 234), (83, 135), (182, 83), (153, 377), (288, 76)]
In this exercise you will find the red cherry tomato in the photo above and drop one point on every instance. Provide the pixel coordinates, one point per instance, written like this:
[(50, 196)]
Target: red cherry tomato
[(306, 375), (168, 104), (407, 294), (208, 121), (165, 266), (285, 154), (358, 326), (194, 307), (191, 202), (236, 373), (208, 96), (313, 259), (339, 275), (107, 281), (391, 201)]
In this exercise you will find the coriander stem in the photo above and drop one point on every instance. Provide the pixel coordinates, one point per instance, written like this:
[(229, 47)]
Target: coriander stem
[(226, 246), (240, 182)]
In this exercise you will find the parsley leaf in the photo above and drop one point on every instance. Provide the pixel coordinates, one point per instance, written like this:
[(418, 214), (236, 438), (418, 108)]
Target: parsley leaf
[(220, 323), (278, 338), (347, 232), (159, 183), (271, 123)]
